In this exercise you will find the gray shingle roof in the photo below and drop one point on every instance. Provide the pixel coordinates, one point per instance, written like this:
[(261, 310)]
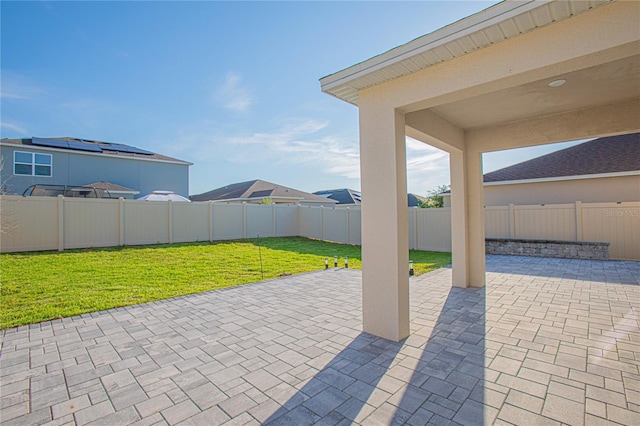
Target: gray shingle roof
[(106, 147), (254, 189), (342, 195), (612, 154)]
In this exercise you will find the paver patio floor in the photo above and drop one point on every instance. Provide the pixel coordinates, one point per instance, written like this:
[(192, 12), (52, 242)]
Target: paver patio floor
[(548, 341)]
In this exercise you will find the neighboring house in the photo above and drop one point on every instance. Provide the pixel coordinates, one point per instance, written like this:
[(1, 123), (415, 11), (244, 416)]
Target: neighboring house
[(349, 198), (123, 170), (259, 191), (415, 200), (598, 171), (344, 197)]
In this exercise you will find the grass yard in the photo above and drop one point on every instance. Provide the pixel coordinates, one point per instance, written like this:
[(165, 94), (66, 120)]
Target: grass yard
[(46, 285)]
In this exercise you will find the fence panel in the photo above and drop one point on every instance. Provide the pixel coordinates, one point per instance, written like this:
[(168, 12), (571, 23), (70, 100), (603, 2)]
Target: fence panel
[(28, 224), (496, 222), (47, 223), (190, 222), (310, 222), (546, 222), (259, 220), (146, 222), (228, 221), (91, 223), (434, 229), (617, 223), (355, 226), (286, 220), (336, 225)]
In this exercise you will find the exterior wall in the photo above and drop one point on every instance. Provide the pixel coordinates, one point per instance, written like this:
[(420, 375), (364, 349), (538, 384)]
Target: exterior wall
[(71, 168), (48, 223), (598, 190)]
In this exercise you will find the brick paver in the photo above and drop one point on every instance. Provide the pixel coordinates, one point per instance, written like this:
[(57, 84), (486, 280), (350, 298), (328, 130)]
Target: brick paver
[(547, 341)]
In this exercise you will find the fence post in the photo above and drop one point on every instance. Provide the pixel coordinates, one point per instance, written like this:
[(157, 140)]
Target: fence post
[(578, 221), (348, 225), (121, 240), (512, 221), (244, 220), (416, 234), (60, 223), (170, 221), (273, 219), (322, 223), (210, 221)]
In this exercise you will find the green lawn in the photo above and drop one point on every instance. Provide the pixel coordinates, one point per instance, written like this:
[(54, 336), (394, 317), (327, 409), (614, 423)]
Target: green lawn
[(47, 285)]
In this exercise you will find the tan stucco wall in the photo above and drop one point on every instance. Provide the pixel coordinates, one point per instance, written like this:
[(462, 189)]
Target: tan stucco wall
[(414, 104), (599, 190)]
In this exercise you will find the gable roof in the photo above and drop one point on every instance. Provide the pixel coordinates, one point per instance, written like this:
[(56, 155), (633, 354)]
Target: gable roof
[(256, 189), (502, 21), (90, 147), (614, 154)]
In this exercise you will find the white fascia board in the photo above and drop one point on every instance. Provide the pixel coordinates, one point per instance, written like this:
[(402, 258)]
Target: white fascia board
[(563, 178), (484, 19), (304, 200), (558, 179), (92, 154), (122, 192), (255, 199)]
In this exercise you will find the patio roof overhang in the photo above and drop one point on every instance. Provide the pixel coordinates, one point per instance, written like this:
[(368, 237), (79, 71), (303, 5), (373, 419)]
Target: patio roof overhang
[(517, 74), (604, 74)]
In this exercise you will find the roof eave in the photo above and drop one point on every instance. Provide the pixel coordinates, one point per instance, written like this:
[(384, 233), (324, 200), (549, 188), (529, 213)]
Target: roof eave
[(419, 53)]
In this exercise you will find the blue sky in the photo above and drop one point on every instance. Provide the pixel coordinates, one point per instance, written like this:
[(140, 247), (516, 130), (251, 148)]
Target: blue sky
[(229, 86)]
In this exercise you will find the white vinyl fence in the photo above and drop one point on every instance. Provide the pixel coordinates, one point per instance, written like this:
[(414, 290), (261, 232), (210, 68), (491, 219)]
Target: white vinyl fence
[(47, 223)]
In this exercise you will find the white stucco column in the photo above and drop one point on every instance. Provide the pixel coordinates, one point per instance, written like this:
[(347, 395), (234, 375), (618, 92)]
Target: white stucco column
[(385, 241), (467, 219)]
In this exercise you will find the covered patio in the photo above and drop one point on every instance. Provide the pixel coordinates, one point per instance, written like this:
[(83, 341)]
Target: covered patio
[(546, 341), (521, 73)]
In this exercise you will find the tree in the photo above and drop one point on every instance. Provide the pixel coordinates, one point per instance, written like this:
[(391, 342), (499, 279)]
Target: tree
[(434, 197)]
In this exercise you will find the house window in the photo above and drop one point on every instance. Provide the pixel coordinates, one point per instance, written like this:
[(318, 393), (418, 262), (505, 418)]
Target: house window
[(32, 164)]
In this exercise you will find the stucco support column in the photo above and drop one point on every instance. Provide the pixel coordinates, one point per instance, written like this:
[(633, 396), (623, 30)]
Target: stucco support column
[(385, 241), (467, 219)]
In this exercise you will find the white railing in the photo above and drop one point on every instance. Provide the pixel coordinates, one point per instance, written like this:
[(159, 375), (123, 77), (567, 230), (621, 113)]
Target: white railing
[(44, 223)]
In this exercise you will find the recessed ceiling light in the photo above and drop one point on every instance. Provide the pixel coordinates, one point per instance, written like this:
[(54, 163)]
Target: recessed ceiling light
[(557, 83)]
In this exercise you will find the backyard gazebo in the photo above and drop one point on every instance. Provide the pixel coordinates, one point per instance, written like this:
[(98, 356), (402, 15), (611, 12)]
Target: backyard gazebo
[(520, 73)]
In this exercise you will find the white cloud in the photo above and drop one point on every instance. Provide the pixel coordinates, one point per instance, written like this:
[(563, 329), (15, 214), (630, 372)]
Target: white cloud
[(233, 95), (18, 87), (13, 128), (301, 143), (427, 167)]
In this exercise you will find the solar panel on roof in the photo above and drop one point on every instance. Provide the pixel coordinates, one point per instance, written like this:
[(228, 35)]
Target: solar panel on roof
[(81, 146), (125, 148), (55, 143)]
